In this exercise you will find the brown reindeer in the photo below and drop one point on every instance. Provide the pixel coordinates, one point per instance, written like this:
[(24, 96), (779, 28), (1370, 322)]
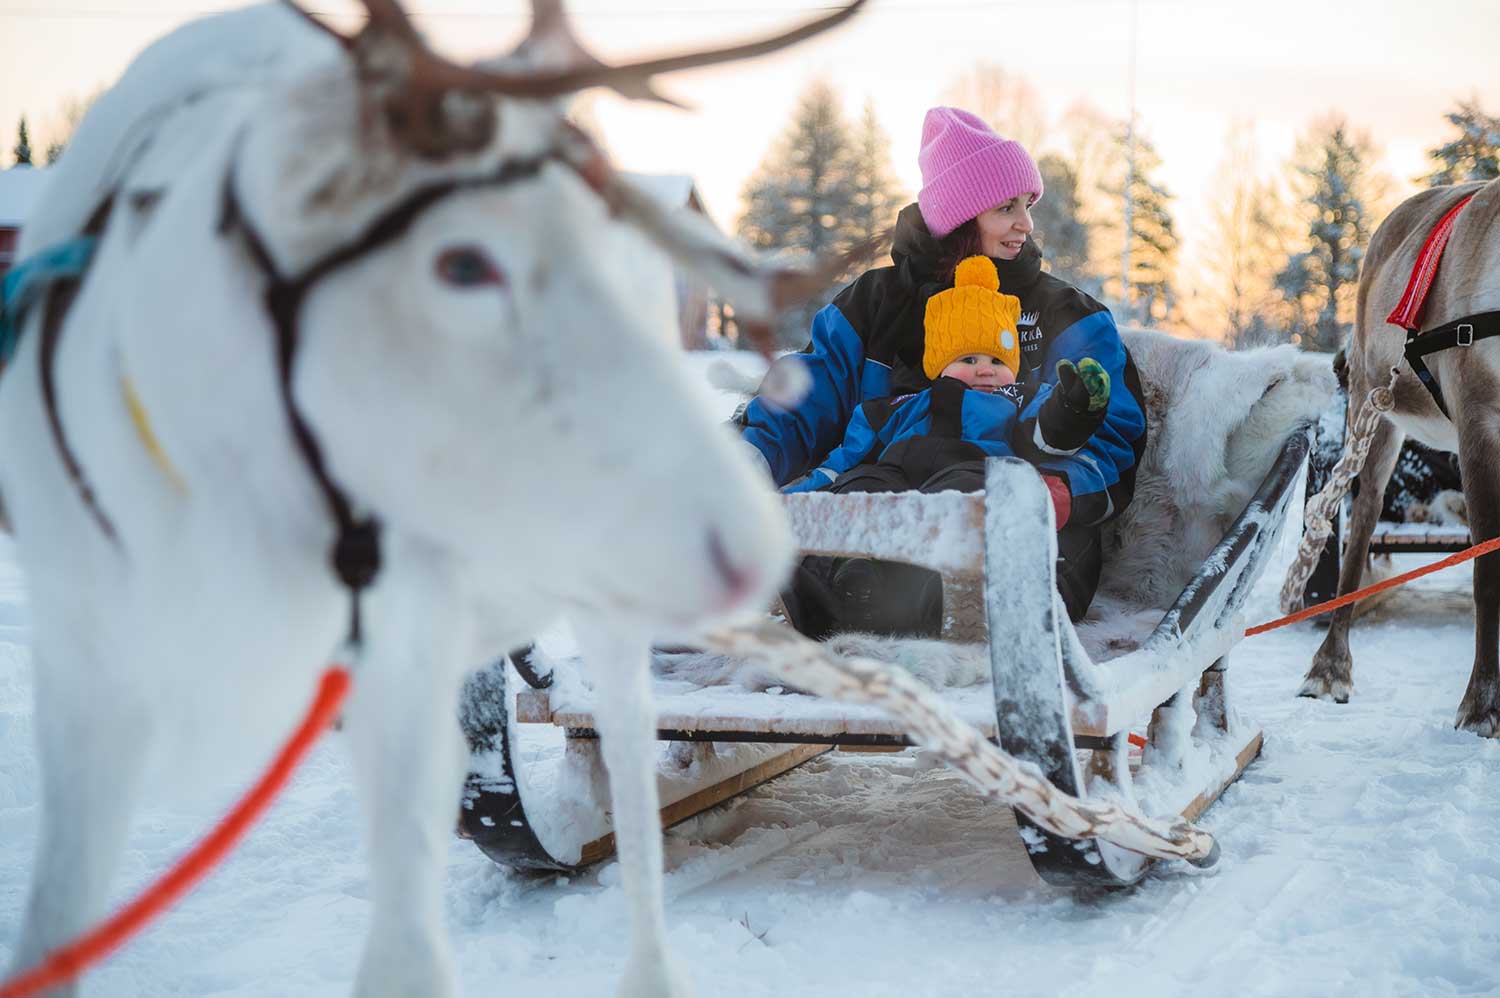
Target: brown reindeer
[(1468, 377)]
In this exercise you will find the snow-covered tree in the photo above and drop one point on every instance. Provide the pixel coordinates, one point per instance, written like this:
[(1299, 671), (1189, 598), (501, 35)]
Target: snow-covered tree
[(1245, 247), (1319, 282), (22, 150), (801, 200), (1060, 229), (1003, 99), (1153, 237), (877, 194), (1085, 135), (1474, 154), (66, 122)]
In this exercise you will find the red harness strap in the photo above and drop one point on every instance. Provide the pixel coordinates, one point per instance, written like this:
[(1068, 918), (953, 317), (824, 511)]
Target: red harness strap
[(1408, 312)]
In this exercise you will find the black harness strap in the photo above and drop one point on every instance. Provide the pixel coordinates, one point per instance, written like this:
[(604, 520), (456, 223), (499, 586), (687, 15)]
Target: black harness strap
[(356, 552), (59, 299), (1464, 332)]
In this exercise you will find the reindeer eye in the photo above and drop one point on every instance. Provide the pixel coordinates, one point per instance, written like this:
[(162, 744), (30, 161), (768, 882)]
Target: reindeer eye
[(467, 267)]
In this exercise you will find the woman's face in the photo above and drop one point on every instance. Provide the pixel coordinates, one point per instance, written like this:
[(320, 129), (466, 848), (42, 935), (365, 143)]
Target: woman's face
[(1003, 229)]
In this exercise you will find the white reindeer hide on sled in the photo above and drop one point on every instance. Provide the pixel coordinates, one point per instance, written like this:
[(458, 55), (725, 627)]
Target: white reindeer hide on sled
[(1215, 420)]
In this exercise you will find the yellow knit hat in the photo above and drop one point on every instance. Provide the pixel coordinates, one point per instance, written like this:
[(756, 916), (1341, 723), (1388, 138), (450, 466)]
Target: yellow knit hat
[(972, 317)]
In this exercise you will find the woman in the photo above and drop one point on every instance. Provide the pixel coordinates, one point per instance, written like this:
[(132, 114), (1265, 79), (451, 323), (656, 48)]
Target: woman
[(976, 197)]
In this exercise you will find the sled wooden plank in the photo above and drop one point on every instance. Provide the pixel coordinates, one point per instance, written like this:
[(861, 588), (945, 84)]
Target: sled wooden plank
[(1246, 755), (730, 724), (533, 706), (1410, 538), (1091, 718), (698, 802), (942, 531)]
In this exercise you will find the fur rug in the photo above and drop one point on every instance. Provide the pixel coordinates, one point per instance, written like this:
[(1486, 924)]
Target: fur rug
[(1216, 421)]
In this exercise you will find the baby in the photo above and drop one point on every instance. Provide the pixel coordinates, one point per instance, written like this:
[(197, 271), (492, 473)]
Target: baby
[(936, 440)]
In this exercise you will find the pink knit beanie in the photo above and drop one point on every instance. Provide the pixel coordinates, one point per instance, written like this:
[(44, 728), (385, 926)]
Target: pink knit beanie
[(967, 169)]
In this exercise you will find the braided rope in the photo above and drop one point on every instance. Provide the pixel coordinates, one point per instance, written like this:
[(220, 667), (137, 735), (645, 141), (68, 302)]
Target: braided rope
[(1318, 518), (931, 723)]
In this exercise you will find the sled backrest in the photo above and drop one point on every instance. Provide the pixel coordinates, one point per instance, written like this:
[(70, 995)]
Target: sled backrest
[(1217, 422)]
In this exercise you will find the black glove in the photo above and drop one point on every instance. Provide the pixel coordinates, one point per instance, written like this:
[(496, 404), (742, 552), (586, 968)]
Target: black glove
[(1076, 408)]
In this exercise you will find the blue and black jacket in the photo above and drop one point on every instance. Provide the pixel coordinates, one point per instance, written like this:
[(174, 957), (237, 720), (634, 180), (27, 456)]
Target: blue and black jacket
[(922, 433), (868, 344)]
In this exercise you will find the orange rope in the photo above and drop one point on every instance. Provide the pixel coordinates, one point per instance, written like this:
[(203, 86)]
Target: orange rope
[(65, 964), (1453, 559)]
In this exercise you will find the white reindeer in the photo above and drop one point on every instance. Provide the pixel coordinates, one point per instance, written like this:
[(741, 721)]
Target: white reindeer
[(454, 351)]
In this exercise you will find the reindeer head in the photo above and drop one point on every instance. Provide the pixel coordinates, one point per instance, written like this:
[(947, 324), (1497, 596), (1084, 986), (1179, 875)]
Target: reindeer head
[(477, 315)]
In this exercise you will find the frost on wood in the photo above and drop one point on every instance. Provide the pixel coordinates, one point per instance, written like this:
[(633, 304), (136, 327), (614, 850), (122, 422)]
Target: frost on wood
[(941, 531)]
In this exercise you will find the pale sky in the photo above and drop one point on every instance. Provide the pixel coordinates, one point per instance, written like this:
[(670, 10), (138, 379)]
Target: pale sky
[(1393, 68)]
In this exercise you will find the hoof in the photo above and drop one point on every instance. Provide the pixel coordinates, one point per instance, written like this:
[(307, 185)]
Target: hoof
[(1484, 723), (1479, 711), (1325, 688)]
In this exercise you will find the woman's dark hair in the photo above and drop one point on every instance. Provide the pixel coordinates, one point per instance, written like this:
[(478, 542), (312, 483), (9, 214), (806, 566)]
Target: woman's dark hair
[(960, 244)]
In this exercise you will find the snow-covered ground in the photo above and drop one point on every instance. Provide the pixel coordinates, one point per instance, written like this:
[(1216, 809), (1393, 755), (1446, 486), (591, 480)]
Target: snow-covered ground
[(1361, 857)]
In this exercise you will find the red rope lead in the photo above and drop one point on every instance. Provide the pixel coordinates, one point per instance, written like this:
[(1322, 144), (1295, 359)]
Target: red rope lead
[(65, 964), (1453, 559)]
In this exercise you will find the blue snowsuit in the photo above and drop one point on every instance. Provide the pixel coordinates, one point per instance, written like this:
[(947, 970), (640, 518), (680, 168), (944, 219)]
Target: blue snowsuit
[(917, 435)]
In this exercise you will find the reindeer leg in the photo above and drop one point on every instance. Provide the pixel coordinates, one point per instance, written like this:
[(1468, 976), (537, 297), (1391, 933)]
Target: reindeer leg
[(1331, 676), (1479, 711), (410, 759), (620, 665), (92, 748)]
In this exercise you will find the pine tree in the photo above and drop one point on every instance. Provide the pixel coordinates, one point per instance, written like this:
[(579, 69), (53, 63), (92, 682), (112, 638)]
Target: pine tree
[(67, 122), (877, 194), (1318, 284), (1004, 100), (1153, 239), (22, 150), (1475, 154), (1244, 248), (801, 199), (1060, 231)]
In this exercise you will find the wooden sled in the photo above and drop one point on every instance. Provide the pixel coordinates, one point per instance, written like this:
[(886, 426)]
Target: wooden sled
[(1049, 703)]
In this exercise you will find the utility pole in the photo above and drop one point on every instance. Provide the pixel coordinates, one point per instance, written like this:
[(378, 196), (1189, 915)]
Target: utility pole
[(1126, 309)]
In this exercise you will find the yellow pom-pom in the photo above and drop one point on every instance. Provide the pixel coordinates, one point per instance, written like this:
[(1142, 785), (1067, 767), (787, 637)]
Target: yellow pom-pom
[(978, 271)]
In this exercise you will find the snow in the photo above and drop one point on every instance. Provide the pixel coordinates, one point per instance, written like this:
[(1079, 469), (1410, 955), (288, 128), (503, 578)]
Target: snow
[(20, 187), (1359, 857)]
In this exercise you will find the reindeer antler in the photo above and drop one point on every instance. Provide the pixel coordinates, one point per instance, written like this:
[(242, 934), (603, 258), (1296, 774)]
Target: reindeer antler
[(416, 82)]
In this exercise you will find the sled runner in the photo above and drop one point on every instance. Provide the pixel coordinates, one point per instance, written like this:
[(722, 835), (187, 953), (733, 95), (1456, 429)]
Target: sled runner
[(1066, 698)]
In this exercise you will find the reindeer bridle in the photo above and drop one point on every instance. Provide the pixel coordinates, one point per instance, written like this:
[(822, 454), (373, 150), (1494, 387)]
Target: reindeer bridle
[(412, 87), (434, 109), (356, 550)]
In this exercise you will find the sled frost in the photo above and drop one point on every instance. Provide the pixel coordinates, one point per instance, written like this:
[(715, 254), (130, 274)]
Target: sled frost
[(1063, 698)]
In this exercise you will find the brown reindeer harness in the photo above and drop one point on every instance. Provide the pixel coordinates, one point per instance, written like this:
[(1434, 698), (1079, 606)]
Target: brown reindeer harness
[(1461, 332)]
